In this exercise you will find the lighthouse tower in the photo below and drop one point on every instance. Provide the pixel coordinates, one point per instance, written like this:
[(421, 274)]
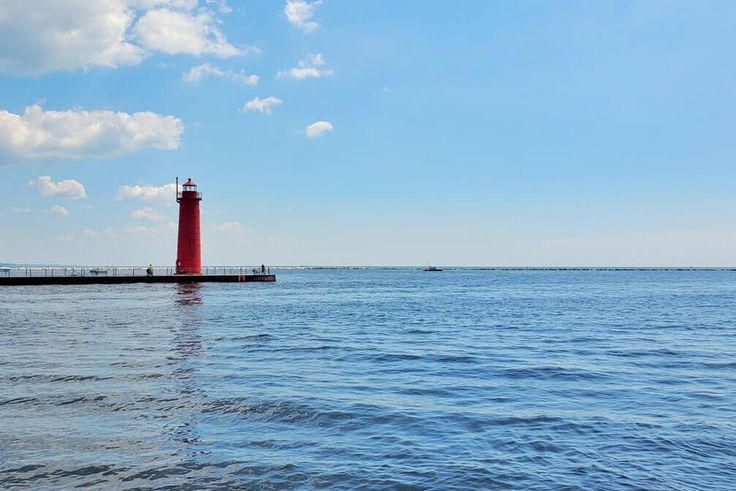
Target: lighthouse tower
[(188, 250)]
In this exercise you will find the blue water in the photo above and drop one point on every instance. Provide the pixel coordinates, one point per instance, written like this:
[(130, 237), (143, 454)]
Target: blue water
[(374, 379)]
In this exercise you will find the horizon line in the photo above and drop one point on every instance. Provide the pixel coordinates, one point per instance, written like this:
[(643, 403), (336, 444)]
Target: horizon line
[(387, 266)]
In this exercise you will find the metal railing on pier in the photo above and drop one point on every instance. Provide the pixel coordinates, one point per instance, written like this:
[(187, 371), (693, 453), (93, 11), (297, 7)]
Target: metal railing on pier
[(53, 271)]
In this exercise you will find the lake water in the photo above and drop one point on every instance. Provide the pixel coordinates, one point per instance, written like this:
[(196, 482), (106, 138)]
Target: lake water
[(374, 379)]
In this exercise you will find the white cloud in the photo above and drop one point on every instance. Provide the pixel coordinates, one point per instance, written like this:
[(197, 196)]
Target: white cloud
[(65, 238), (318, 128), (175, 32), (18, 209), (309, 67), (299, 13), (176, 4), (199, 72), (57, 210), (264, 106), (144, 230), (314, 59), (67, 188), (166, 192), (104, 234), (300, 73), (49, 35), (75, 133), (147, 213), (221, 5), (228, 227)]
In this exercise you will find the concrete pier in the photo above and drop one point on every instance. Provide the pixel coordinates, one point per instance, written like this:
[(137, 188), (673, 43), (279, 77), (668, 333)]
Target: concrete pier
[(117, 279)]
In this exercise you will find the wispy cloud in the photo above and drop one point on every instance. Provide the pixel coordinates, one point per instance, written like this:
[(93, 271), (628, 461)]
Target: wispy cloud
[(147, 213), (221, 5), (67, 188), (18, 209), (145, 230), (318, 129), (264, 106), (166, 192), (57, 210), (300, 12), (308, 67), (206, 70), (232, 227), (103, 234)]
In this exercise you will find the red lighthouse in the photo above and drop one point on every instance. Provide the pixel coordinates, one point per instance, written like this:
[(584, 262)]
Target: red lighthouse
[(188, 250)]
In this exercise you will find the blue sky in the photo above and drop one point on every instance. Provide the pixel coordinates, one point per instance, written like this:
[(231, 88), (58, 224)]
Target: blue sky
[(467, 133)]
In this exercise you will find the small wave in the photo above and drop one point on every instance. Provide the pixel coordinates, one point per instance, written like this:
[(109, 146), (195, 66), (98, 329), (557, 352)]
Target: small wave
[(534, 420), (23, 469), (54, 378), (442, 392), (552, 372), (80, 399), (420, 331), (721, 365), (251, 337), (79, 378), (18, 400), (84, 471), (641, 353), (149, 376), (281, 411), (395, 357), (454, 359)]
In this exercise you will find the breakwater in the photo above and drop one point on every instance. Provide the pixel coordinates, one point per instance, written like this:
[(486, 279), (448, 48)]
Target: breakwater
[(116, 280)]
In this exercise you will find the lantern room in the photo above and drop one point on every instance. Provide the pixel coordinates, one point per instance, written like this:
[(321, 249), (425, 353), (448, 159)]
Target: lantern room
[(189, 191)]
